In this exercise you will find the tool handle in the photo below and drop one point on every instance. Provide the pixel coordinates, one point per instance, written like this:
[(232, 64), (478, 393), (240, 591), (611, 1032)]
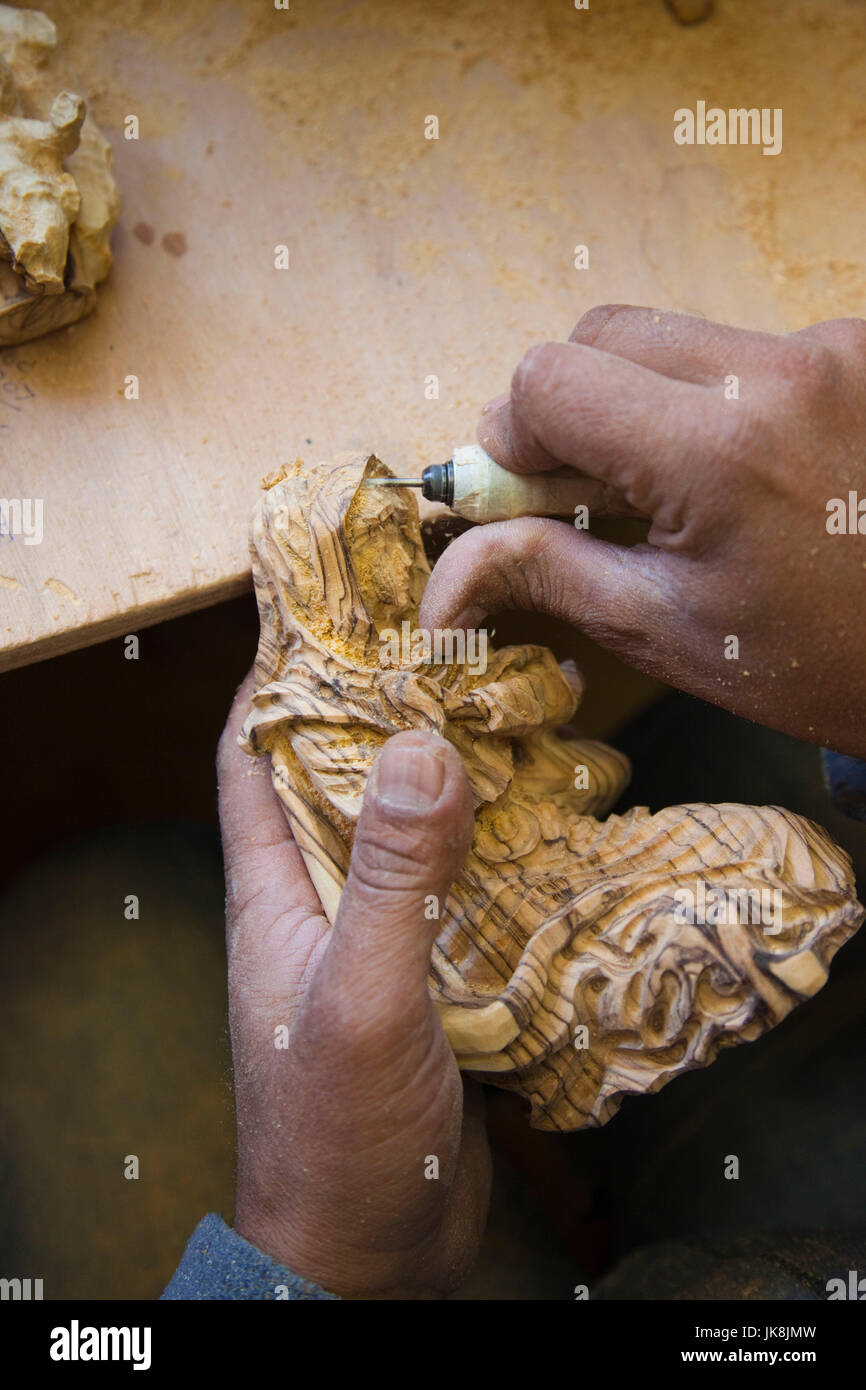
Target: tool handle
[(485, 492)]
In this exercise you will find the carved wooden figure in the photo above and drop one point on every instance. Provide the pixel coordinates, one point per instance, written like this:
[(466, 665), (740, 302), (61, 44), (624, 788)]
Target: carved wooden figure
[(579, 959), (58, 198)]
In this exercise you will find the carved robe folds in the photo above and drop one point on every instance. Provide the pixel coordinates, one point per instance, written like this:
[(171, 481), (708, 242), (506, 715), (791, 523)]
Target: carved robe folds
[(566, 967)]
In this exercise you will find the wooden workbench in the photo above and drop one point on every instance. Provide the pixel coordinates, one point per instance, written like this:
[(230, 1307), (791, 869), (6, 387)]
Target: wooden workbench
[(408, 257)]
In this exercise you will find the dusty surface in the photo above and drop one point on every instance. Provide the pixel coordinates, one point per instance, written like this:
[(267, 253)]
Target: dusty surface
[(408, 257)]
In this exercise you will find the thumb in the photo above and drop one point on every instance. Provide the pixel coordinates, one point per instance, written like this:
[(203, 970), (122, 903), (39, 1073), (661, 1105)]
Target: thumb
[(622, 597), (412, 836)]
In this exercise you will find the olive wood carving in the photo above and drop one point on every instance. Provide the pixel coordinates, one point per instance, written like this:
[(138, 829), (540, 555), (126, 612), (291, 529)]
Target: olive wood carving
[(566, 967), (58, 198)]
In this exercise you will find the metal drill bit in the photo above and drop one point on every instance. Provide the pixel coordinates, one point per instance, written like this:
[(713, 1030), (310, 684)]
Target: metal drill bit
[(436, 482), (392, 482)]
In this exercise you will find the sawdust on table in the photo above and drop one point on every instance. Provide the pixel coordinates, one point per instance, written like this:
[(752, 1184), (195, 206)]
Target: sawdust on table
[(349, 85)]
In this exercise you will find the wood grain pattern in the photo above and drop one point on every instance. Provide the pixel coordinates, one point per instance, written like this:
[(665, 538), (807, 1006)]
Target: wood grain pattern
[(559, 921), (409, 257)]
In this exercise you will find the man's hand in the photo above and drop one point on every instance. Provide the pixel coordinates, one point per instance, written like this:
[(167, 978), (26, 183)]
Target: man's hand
[(735, 477), (336, 1131)]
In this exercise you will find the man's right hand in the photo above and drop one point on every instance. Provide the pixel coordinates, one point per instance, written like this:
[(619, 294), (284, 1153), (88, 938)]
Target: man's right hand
[(735, 476)]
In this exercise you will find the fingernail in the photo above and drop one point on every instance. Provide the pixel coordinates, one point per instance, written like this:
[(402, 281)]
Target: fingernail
[(409, 780), (496, 403)]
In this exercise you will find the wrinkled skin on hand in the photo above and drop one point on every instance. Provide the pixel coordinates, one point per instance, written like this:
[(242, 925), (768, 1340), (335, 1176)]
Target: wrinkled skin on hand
[(736, 491), (337, 1128)]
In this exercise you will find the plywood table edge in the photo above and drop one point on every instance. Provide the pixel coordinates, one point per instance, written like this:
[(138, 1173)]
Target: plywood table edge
[(132, 620)]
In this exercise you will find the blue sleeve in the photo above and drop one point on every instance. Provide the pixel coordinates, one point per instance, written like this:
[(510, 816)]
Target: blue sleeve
[(845, 779), (220, 1264)]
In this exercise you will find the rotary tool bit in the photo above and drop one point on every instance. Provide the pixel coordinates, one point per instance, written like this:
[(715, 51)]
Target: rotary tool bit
[(475, 487)]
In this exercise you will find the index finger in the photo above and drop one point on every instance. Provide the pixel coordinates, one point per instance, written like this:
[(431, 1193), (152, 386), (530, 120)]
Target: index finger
[(648, 436)]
